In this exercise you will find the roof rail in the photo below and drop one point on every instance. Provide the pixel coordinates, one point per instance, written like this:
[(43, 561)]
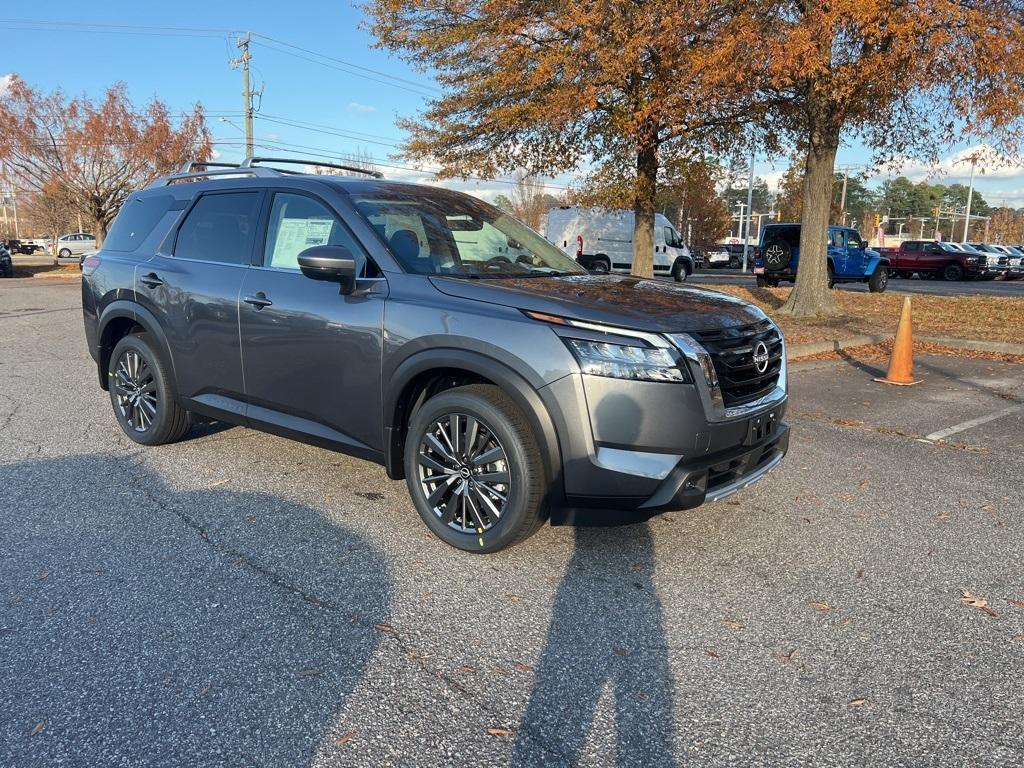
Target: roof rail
[(250, 162), (248, 167), (192, 164)]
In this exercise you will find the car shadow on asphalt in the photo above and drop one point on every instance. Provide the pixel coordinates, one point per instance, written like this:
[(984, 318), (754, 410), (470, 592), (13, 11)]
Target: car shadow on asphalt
[(144, 624), (606, 614)]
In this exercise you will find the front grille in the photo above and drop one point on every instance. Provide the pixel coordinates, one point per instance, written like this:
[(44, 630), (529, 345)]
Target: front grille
[(732, 352)]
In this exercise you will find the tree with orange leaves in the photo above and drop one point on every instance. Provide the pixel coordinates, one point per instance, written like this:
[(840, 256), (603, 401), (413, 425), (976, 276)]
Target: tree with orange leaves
[(906, 78), (97, 153), (548, 86)]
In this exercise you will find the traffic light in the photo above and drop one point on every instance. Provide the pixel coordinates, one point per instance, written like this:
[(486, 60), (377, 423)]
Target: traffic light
[(935, 213), (878, 219)]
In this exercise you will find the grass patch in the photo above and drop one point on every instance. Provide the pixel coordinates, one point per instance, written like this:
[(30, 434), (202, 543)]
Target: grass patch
[(989, 318), (47, 270)]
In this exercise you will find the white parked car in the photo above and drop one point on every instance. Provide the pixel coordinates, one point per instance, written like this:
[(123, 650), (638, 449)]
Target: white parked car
[(602, 241), (75, 244)]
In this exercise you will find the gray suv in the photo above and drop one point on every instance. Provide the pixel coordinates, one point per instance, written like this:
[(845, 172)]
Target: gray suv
[(427, 331)]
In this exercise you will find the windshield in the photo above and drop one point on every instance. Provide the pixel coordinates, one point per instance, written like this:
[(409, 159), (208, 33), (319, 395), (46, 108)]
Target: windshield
[(439, 232)]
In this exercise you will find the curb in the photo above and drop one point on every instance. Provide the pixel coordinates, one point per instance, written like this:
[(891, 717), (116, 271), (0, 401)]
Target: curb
[(796, 351), (978, 344), (834, 345)]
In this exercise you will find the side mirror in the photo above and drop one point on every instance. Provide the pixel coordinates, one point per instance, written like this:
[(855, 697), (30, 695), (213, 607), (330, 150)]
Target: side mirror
[(333, 263), (864, 244)]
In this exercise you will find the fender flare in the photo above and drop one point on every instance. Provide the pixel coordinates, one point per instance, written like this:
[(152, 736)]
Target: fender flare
[(687, 260), (875, 263), (512, 383), (123, 308)]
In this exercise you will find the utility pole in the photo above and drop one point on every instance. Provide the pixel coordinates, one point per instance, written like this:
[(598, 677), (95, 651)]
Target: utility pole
[(750, 201), (970, 195), (243, 62), (842, 200)]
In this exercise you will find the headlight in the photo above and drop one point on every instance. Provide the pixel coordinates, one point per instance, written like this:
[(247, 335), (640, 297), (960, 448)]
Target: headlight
[(621, 361), (971, 259)]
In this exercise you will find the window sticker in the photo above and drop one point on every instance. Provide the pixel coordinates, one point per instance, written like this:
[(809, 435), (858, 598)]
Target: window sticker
[(296, 235)]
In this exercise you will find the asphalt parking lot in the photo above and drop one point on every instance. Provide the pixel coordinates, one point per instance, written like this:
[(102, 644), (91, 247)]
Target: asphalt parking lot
[(238, 599), (997, 287)]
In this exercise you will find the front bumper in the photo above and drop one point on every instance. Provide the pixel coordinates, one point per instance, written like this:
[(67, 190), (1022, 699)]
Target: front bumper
[(640, 448)]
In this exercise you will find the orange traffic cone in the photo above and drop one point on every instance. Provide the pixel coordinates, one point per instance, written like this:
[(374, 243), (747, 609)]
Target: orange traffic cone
[(901, 364)]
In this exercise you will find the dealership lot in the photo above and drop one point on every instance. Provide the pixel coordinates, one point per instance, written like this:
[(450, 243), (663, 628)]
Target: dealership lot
[(244, 599), (913, 285)]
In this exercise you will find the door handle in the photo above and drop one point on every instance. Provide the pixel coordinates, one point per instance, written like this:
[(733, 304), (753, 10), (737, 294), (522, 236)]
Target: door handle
[(259, 301), (151, 280)]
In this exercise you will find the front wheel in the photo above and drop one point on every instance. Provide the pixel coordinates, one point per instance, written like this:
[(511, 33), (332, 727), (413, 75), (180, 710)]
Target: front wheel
[(64, 253), (879, 280), (680, 272), (831, 277), (953, 273), (474, 469)]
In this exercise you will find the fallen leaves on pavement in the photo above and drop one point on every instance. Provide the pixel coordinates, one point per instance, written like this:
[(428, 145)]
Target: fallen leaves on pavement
[(39, 728), (500, 731), (978, 602)]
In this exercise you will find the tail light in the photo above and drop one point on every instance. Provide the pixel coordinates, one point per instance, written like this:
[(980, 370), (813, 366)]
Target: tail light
[(89, 264), (579, 246)]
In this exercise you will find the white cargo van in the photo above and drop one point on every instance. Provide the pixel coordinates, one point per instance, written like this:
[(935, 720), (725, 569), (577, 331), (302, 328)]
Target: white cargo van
[(602, 241)]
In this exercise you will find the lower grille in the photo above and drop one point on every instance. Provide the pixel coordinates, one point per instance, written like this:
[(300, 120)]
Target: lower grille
[(742, 378)]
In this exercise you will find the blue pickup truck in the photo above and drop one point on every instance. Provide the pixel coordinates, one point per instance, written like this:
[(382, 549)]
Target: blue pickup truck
[(850, 260)]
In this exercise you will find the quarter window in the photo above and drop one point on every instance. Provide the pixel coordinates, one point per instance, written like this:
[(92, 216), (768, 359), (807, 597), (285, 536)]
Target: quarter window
[(836, 238), (219, 228), (298, 222)]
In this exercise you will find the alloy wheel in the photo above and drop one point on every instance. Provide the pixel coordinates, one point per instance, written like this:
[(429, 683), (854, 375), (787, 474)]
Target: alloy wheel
[(464, 473), (135, 388)]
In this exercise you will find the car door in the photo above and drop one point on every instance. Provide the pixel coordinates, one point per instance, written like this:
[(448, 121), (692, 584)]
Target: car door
[(931, 258), (193, 291), (856, 256), (837, 250), (310, 355)]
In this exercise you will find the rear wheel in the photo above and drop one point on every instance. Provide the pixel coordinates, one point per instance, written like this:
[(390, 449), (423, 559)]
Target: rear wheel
[(767, 282), (64, 253), (953, 272), (601, 265), (142, 393), (474, 469), (831, 277)]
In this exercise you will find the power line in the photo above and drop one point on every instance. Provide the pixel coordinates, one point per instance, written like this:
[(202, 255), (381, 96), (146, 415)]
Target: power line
[(418, 91), (336, 60)]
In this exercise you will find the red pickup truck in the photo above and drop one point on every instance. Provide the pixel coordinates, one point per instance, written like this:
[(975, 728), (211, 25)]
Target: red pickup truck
[(935, 258)]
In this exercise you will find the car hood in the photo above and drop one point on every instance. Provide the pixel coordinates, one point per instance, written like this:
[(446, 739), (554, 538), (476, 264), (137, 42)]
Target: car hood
[(627, 302)]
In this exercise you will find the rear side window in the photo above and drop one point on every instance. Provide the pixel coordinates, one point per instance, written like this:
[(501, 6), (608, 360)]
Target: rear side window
[(136, 221), (219, 228)]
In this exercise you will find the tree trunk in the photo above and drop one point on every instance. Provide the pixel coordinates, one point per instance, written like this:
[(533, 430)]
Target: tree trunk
[(645, 190), (811, 295)]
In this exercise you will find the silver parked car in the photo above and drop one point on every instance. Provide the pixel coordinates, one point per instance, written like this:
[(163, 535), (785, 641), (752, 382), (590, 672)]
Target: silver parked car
[(75, 244)]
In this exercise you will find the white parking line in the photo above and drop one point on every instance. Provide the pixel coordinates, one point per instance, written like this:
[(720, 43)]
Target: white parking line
[(942, 434)]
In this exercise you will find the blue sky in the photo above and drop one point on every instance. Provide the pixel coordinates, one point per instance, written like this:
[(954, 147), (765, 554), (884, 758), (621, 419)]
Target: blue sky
[(71, 51)]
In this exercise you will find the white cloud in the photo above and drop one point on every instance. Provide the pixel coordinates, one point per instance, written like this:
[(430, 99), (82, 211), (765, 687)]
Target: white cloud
[(5, 84), (991, 164), (361, 107)]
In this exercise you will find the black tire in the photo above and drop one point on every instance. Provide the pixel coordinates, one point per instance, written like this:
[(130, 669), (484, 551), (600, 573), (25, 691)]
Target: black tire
[(147, 421), (879, 280), (500, 423), (952, 273), (831, 277), (776, 255), (680, 271), (601, 265), (64, 253)]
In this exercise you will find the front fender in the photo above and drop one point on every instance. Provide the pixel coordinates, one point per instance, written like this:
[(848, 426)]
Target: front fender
[(512, 383), (874, 263)]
